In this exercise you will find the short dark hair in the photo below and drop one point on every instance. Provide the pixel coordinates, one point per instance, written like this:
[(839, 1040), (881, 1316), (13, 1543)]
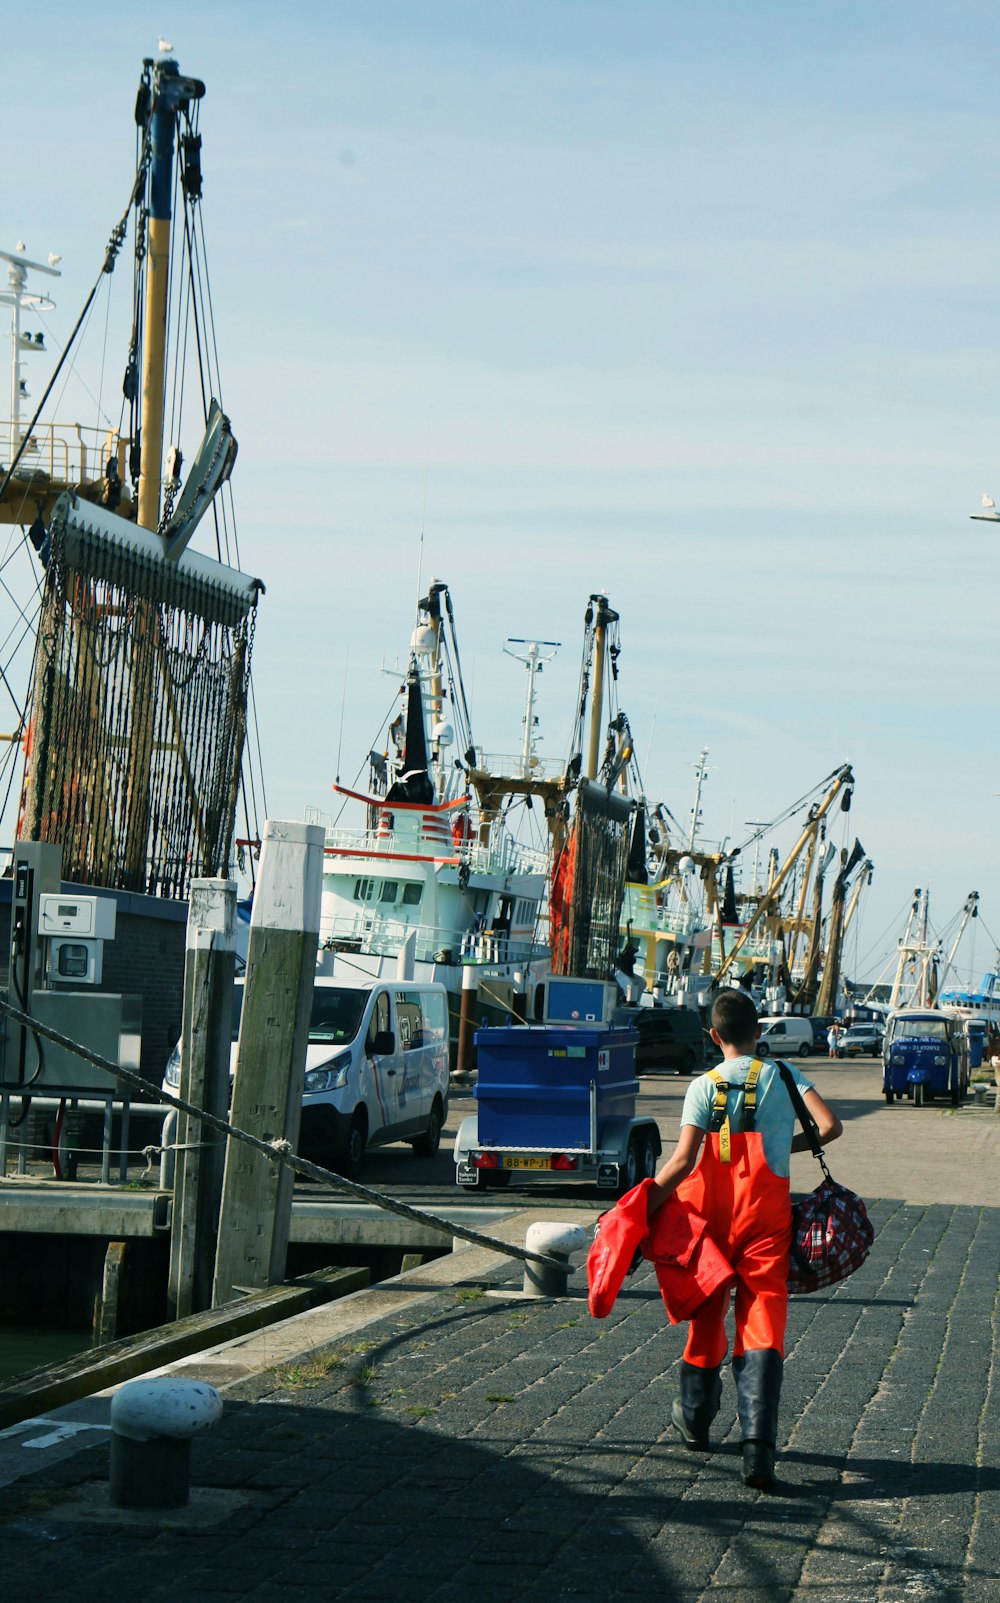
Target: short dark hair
[(734, 1017)]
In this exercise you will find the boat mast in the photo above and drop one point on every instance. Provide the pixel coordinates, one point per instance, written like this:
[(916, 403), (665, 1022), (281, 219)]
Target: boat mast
[(907, 949), (17, 296), (604, 616), (969, 911), (701, 770), (168, 91), (534, 663)]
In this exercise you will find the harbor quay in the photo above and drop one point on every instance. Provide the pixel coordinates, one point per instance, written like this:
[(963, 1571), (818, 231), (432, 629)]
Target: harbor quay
[(441, 1435)]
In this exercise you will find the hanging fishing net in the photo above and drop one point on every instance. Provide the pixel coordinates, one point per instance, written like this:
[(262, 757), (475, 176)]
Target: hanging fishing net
[(137, 710), (588, 884)]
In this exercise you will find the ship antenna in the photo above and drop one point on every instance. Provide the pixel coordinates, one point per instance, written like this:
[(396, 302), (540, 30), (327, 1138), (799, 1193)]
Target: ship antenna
[(652, 727), (343, 704), (423, 509)]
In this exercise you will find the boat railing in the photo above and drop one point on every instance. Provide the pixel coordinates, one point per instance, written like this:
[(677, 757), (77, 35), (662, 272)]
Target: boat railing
[(505, 855), (496, 947), (521, 767), (500, 856), (640, 906), (73, 453), (372, 932)]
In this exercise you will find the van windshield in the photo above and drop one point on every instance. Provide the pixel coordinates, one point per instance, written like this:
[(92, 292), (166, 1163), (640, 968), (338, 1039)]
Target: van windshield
[(336, 1013)]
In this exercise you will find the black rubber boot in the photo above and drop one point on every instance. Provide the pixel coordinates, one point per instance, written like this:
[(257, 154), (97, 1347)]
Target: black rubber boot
[(693, 1411), (758, 1391)]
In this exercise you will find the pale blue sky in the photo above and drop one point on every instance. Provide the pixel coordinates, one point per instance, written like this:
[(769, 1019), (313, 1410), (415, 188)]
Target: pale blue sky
[(695, 304)]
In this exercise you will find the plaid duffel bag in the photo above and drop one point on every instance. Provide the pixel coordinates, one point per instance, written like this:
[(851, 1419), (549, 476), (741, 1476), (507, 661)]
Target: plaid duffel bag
[(832, 1236)]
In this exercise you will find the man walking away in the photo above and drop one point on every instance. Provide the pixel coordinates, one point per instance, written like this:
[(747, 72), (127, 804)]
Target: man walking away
[(741, 1187)]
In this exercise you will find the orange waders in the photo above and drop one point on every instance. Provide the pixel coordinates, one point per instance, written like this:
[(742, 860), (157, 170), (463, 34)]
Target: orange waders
[(748, 1211)]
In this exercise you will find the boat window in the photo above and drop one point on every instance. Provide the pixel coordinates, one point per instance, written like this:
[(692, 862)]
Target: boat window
[(409, 1021), (364, 890), (336, 1014), (388, 891), (411, 895)]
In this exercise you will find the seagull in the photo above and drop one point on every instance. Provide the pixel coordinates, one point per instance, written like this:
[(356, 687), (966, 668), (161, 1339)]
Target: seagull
[(54, 258), (20, 247), (164, 45), (989, 514)]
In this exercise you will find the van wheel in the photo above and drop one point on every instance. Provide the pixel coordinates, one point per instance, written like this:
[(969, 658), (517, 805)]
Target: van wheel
[(426, 1145), (890, 1096), (689, 1064), (803, 1051), (919, 1095), (353, 1155)]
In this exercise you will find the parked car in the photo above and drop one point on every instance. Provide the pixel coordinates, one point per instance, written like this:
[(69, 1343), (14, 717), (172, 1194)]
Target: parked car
[(671, 1039), (861, 1040)]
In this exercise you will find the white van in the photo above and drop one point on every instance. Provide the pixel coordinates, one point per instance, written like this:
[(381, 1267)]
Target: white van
[(786, 1037), (376, 1069)]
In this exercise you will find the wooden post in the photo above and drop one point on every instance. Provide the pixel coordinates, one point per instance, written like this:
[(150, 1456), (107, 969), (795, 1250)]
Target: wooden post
[(206, 1036), (270, 1063)]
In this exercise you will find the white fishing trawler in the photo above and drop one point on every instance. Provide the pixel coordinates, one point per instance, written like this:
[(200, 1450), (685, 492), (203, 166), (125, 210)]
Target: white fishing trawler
[(435, 879)]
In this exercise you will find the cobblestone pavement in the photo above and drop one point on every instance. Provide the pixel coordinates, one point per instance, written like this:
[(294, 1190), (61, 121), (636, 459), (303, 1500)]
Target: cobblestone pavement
[(472, 1442)]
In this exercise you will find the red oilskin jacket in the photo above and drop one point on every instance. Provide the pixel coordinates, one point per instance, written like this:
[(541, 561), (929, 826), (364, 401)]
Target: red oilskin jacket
[(689, 1266)]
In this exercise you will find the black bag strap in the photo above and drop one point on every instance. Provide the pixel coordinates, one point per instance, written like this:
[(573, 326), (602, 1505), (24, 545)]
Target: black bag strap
[(805, 1118)]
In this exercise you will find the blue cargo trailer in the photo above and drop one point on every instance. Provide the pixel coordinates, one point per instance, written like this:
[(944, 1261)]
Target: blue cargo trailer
[(556, 1099)]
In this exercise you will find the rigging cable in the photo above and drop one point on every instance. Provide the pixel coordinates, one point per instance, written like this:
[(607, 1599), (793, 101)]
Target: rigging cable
[(112, 248)]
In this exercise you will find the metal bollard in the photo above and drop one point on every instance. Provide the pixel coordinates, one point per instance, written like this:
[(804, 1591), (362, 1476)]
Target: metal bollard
[(555, 1241), (152, 1423)]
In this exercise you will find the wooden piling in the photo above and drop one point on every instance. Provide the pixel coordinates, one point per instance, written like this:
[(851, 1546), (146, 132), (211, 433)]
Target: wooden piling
[(270, 1064), (466, 1060), (206, 1037)]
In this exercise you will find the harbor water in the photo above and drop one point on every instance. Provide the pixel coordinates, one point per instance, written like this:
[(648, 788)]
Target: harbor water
[(23, 1347)]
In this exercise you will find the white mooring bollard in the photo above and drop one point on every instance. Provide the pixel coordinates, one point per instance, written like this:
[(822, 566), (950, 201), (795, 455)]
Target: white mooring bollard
[(152, 1423), (555, 1241)]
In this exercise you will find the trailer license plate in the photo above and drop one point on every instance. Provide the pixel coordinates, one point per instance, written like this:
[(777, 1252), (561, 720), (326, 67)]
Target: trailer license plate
[(524, 1163)]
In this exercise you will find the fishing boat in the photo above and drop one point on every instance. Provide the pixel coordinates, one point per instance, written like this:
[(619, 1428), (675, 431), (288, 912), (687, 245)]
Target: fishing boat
[(133, 728), (129, 704), (435, 884), (978, 1002)]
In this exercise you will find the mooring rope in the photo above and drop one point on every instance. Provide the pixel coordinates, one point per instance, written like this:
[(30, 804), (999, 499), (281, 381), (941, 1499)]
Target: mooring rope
[(278, 1150)]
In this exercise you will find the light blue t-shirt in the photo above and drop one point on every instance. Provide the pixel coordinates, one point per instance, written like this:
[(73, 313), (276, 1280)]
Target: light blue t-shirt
[(775, 1119)]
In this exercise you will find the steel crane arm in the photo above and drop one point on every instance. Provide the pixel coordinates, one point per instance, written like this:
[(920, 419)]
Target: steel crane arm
[(844, 778)]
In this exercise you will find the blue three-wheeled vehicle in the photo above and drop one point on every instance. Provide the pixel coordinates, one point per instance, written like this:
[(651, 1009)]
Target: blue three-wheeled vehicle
[(925, 1054)]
